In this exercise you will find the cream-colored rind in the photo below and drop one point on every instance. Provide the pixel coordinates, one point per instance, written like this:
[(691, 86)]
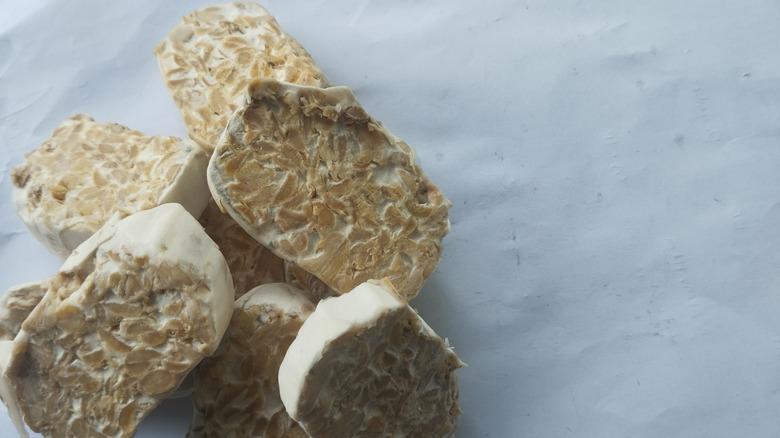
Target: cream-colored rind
[(49, 230), (129, 314), (81, 259), (333, 317), (86, 171), (187, 186), (364, 364), (285, 297)]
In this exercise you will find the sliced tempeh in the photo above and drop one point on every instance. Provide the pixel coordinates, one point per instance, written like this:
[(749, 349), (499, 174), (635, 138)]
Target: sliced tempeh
[(236, 391), (364, 364), (16, 305), (128, 315), (87, 171), (310, 175), (252, 264), (209, 59)]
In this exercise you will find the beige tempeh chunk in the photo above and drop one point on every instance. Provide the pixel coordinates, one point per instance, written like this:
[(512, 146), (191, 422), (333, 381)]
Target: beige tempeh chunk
[(86, 171), (209, 59), (365, 364), (16, 305), (128, 315), (236, 391), (311, 176), (252, 264), (314, 288)]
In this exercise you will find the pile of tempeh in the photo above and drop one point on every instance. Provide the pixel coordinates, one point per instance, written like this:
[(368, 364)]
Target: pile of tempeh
[(262, 266)]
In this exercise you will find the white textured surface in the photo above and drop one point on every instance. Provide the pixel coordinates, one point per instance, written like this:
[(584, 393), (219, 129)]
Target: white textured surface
[(286, 297), (612, 268)]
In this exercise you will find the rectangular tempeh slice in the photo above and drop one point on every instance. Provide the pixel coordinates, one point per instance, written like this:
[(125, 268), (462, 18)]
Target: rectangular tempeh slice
[(365, 364), (310, 175), (210, 58), (86, 171), (128, 315)]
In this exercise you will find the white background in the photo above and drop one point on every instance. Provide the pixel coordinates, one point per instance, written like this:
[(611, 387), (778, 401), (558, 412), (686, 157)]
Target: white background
[(612, 269)]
